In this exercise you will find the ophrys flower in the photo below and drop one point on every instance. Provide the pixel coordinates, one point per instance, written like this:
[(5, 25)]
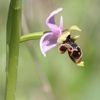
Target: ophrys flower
[(61, 38)]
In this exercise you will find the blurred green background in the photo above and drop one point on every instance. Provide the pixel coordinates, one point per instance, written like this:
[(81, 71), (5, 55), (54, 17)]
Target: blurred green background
[(55, 77)]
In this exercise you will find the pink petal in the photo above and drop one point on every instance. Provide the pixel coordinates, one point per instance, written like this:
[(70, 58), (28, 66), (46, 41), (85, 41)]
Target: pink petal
[(61, 23), (51, 22), (47, 42)]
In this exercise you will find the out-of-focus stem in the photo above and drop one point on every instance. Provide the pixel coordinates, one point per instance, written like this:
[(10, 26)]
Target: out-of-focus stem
[(13, 34)]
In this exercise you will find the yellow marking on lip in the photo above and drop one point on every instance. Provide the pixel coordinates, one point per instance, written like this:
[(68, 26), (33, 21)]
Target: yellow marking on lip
[(81, 63)]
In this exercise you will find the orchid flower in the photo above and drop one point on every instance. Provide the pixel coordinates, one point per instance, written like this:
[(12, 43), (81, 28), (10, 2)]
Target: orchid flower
[(49, 40), (61, 38)]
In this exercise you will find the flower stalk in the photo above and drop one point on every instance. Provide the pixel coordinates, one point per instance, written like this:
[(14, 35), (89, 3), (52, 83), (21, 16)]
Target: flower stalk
[(31, 36), (12, 36)]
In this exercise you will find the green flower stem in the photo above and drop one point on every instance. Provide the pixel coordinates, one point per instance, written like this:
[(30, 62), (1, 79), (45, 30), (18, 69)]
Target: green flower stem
[(31, 36), (13, 35)]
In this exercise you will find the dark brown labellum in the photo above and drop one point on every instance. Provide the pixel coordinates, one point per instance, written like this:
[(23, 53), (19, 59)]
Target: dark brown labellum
[(73, 49), (75, 55)]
